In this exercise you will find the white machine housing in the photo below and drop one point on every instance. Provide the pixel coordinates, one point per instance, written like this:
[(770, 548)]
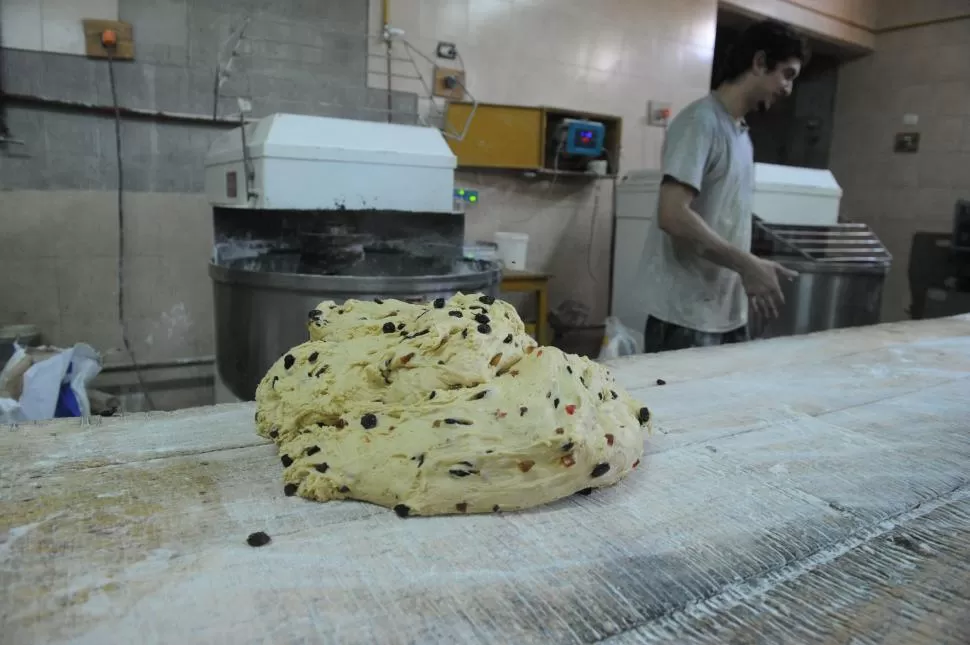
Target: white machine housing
[(311, 162), (783, 195)]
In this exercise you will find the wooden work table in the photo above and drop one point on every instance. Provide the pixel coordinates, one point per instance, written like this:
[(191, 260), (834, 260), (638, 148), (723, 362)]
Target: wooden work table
[(812, 489)]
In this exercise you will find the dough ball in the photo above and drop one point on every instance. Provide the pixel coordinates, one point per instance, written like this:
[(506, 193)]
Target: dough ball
[(444, 407)]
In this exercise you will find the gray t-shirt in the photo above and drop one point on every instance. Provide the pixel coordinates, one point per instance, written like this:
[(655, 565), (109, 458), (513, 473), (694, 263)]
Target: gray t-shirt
[(708, 149)]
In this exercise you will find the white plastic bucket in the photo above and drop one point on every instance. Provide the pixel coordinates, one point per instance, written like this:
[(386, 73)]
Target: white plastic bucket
[(512, 249)]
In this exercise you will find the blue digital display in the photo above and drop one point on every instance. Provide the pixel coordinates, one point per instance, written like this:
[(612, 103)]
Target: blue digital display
[(585, 138)]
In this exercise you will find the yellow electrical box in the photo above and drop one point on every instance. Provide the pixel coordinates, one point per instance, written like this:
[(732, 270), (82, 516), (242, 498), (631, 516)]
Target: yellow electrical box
[(498, 136), (515, 137)]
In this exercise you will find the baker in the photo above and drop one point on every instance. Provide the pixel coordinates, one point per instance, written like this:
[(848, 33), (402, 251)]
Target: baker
[(700, 271)]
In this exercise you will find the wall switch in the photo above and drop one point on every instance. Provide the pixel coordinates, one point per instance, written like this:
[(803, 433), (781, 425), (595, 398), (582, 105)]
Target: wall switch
[(447, 51), (658, 113)]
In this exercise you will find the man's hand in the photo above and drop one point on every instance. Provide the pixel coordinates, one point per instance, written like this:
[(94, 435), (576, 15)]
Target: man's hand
[(761, 282)]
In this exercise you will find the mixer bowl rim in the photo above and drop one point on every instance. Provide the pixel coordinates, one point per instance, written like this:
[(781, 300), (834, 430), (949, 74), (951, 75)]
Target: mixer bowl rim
[(489, 275)]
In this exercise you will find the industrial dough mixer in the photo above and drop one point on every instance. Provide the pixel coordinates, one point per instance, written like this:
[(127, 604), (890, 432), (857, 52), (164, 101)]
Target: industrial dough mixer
[(309, 208)]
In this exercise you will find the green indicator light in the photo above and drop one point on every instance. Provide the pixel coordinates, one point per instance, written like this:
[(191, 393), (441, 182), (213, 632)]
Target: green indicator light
[(473, 198)]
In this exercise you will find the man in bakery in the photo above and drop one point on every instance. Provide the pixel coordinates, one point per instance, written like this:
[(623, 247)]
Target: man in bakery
[(700, 272)]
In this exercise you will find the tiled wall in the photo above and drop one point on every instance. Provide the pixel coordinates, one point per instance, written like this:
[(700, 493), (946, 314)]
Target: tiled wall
[(924, 71)]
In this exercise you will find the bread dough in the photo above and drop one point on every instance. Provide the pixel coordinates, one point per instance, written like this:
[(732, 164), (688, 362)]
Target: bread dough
[(444, 407)]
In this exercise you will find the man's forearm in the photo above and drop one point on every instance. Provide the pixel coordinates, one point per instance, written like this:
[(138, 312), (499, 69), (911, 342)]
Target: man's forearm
[(690, 229)]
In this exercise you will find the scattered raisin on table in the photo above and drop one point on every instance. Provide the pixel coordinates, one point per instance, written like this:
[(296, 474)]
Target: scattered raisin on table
[(259, 538), (660, 381)]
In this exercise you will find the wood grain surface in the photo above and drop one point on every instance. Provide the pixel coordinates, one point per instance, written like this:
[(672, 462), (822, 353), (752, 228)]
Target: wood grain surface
[(798, 490)]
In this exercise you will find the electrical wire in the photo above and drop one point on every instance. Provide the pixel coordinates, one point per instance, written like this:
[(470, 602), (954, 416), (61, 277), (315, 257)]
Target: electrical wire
[(121, 232)]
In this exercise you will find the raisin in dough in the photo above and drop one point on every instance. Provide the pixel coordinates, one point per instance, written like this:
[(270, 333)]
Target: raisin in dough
[(445, 407)]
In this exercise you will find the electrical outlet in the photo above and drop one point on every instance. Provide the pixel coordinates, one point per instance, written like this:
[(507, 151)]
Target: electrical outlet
[(658, 113), (447, 51)]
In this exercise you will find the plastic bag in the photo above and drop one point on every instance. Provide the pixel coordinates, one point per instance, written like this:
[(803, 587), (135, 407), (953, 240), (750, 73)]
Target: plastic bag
[(47, 382), (620, 340)]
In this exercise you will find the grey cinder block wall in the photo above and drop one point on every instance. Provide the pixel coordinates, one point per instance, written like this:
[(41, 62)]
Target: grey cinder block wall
[(58, 217)]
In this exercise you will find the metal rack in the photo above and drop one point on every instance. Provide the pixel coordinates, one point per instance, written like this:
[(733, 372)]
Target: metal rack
[(845, 243)]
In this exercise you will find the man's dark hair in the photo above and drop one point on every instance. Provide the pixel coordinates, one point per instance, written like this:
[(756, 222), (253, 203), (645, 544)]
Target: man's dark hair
[(778, 41)]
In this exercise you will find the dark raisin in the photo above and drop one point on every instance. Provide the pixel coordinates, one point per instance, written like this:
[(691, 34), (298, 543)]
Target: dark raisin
[(523, 410), (388, 328), (458, 422), (439, 303), (432, 395), (660, 381), (400, 326), (288, 361), (378, 301), (480, 395), (644, 415), (482, 318), (290, 490), (567, 447), (614, 394), (322, 468), (508, 339), (461, 507), (275, 378), (420, 333), (368, 421), (455, 314), (404, 333), (274, 433), (495, 509), (312, 450), (402, 510), (486, 300), (484, 329), (420, 460), (458, 472), (343, 489), (555, 403), (464, 333), (287, 461), (600, 470), (313, 357), (258, 539), (314, 314), (585, 491)]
